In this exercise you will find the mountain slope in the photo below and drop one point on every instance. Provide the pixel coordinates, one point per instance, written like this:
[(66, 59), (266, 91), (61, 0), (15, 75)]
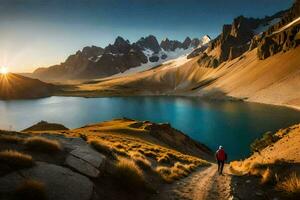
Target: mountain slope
[(13, 86), (273, 169)]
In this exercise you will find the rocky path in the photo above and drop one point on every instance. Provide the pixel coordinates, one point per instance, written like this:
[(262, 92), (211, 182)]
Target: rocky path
[(205, 183)]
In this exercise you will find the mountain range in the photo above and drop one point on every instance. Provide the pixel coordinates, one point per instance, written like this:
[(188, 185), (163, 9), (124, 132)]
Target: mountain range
[(252, 59), (96, 62)]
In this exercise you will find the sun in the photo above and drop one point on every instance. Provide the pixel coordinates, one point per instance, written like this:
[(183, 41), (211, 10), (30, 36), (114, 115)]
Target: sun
[(3, 70)]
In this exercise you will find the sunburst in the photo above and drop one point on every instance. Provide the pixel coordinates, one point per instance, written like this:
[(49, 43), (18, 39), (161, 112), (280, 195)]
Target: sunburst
[(3, 70)]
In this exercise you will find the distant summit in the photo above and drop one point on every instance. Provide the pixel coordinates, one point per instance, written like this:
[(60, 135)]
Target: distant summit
[(96, 62)]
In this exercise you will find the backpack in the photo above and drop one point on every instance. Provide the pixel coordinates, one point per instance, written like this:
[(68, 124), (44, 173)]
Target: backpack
[(221, 155)]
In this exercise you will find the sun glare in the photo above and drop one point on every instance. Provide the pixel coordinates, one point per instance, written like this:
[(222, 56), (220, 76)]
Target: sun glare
[(3, 70)]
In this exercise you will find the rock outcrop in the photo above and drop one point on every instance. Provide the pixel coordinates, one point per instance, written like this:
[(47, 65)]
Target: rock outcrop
[(86, 161), (242, 35), (282, 36), (61, 183)]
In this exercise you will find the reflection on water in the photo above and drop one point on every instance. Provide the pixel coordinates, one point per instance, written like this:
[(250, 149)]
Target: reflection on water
[(233, 124)]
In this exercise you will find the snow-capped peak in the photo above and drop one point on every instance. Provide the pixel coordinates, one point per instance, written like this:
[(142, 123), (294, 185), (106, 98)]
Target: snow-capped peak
[(205, 39)]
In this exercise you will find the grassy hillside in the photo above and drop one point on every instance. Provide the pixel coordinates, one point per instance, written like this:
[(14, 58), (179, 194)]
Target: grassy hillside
[(139, 157), (274, 168)]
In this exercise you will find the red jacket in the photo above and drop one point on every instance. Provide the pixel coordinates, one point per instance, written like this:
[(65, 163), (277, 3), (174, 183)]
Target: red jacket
[(221, 155)]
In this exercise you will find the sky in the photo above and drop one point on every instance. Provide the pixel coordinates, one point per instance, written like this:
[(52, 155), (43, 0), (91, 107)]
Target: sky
[(41, 33)]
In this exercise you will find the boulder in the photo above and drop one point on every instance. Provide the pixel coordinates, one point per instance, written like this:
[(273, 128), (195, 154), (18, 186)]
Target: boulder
[(82, 166), (89, 155), (164, 56), (61, 183), (10, 182), (153, 58)]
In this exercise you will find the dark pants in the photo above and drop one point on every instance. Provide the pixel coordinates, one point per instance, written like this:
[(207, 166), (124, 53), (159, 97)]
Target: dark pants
[(220, 166)]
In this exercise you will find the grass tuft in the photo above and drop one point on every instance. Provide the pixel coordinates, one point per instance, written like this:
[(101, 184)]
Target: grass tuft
[(37, 143), (165, 159), (30, 189), (129, 174), (290, 186), (141, 161), (101, 147), (16, 159)]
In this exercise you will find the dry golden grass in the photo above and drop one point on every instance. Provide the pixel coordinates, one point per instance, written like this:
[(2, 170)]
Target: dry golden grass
[(11, 139), (101, 146), (30, 189), (165, 159), (177, 171), (16, 159), (42, 144), (141, 161), (129, 174), (165, 173), (119, 138), (290, 186)]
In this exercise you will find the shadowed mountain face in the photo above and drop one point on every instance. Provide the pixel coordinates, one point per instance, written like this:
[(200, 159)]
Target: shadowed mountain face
[(13, 86), (269, 35), (96, 62), (242, 35)]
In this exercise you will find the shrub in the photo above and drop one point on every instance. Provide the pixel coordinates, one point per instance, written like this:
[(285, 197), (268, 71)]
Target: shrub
[(267, 139), (16, 159), (30, 189), (10, 139), (129, 174), (290, 186), (37, 143)]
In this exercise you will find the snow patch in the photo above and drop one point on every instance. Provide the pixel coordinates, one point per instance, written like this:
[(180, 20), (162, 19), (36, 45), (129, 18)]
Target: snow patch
[(205, 39), (294, 22), (177, 57)]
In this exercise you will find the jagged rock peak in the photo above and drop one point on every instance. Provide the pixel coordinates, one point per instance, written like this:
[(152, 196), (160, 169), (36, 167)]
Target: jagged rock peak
[(120, 41), (149, 42), (186, 43)]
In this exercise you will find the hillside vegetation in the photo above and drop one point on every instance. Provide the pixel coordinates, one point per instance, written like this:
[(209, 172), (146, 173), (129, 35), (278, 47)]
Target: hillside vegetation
[(118, 159), (275, 168)]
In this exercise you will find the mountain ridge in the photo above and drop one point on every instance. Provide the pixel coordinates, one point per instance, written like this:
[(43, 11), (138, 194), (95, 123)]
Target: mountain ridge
[(97, 62)]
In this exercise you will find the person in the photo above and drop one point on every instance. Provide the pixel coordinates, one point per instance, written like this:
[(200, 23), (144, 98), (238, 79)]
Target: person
[(221, 157)]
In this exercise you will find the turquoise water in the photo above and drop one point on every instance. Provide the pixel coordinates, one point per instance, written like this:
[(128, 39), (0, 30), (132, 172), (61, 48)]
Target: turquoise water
[(231, 124)]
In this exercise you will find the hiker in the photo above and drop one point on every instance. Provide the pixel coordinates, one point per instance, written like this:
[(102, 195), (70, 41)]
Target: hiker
[(221, 157)]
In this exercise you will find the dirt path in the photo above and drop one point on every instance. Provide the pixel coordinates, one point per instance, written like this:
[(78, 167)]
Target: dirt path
[(203, 184)]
